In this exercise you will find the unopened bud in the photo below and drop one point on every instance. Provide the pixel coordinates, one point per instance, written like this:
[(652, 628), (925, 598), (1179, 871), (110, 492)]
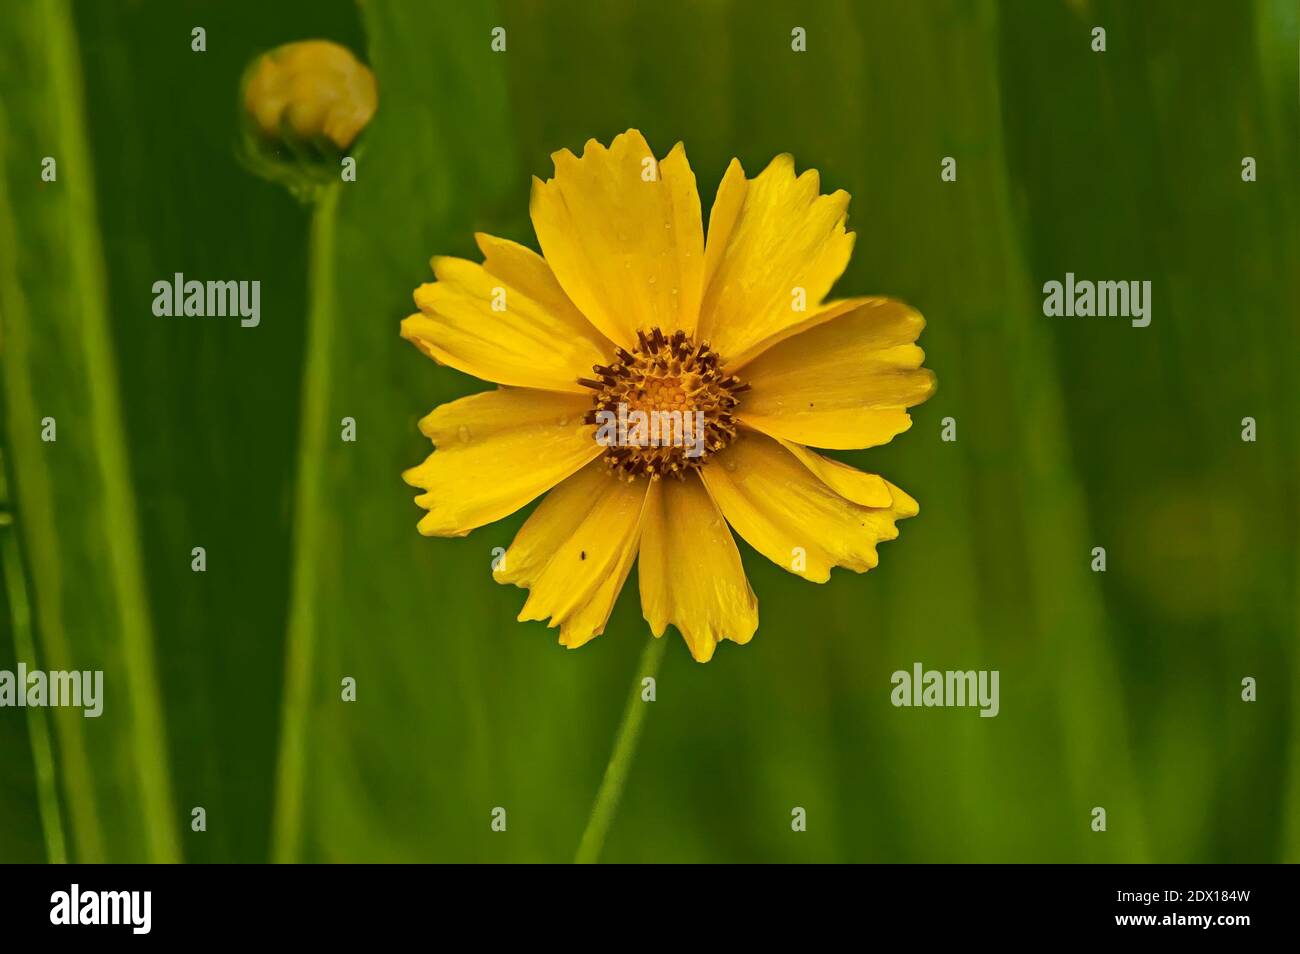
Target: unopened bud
[(305, 104)]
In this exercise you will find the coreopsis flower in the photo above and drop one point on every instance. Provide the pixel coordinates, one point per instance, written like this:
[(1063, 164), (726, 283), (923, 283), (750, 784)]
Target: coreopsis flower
[(630, 315), (304, 106)]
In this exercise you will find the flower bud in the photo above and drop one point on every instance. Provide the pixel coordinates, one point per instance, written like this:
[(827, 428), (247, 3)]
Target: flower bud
[(305, 104)]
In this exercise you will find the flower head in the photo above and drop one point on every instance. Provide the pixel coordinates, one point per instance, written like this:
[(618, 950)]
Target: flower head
[(305, 104), (658, 387)]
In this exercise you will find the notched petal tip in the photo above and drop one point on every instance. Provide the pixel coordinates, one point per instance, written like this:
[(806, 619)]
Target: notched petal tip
[(429, 424), (488, 243), (411, 476), (417, 337), (424, 291), (537, 195), (565, 156), (704, 653), (677, 154), (932, 380), (429, 527), (810, 182), (781, 164), (630, 138), (913, 316), (413, 328)]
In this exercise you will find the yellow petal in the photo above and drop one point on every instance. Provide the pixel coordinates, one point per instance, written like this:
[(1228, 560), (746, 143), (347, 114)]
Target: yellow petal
[(588, 621), (497, 451), (775, 244), (869, 490), (846, 383), (575, 550), (788, 514), (624, 236), (506, 321), (690, 569), (828, 311)]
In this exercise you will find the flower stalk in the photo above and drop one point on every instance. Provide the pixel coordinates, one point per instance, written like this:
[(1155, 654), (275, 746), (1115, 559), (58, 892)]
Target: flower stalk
[(620, 760)]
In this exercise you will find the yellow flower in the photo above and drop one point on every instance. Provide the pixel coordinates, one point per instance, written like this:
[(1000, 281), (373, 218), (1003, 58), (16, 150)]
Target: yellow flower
[(632, 310)]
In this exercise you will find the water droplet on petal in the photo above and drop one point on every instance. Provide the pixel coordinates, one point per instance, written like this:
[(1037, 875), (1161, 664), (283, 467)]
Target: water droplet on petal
[(729, 465), (463, 433), (562, 420)]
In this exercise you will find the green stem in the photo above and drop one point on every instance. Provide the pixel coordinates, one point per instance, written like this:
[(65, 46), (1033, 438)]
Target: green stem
[(620, 762), (300, 648)]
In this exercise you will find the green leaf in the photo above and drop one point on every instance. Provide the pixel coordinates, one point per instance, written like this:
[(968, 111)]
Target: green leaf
[(74, 507)]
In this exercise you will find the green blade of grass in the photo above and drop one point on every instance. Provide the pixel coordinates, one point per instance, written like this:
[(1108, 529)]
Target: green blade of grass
[(16, 839), (73, 496)]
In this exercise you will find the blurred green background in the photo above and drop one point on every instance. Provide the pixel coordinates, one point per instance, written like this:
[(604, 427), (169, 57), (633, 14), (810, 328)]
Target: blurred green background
[(1119, 689)]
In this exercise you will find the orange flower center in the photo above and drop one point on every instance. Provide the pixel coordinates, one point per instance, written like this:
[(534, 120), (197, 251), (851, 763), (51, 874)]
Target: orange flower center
[(664, 408)]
